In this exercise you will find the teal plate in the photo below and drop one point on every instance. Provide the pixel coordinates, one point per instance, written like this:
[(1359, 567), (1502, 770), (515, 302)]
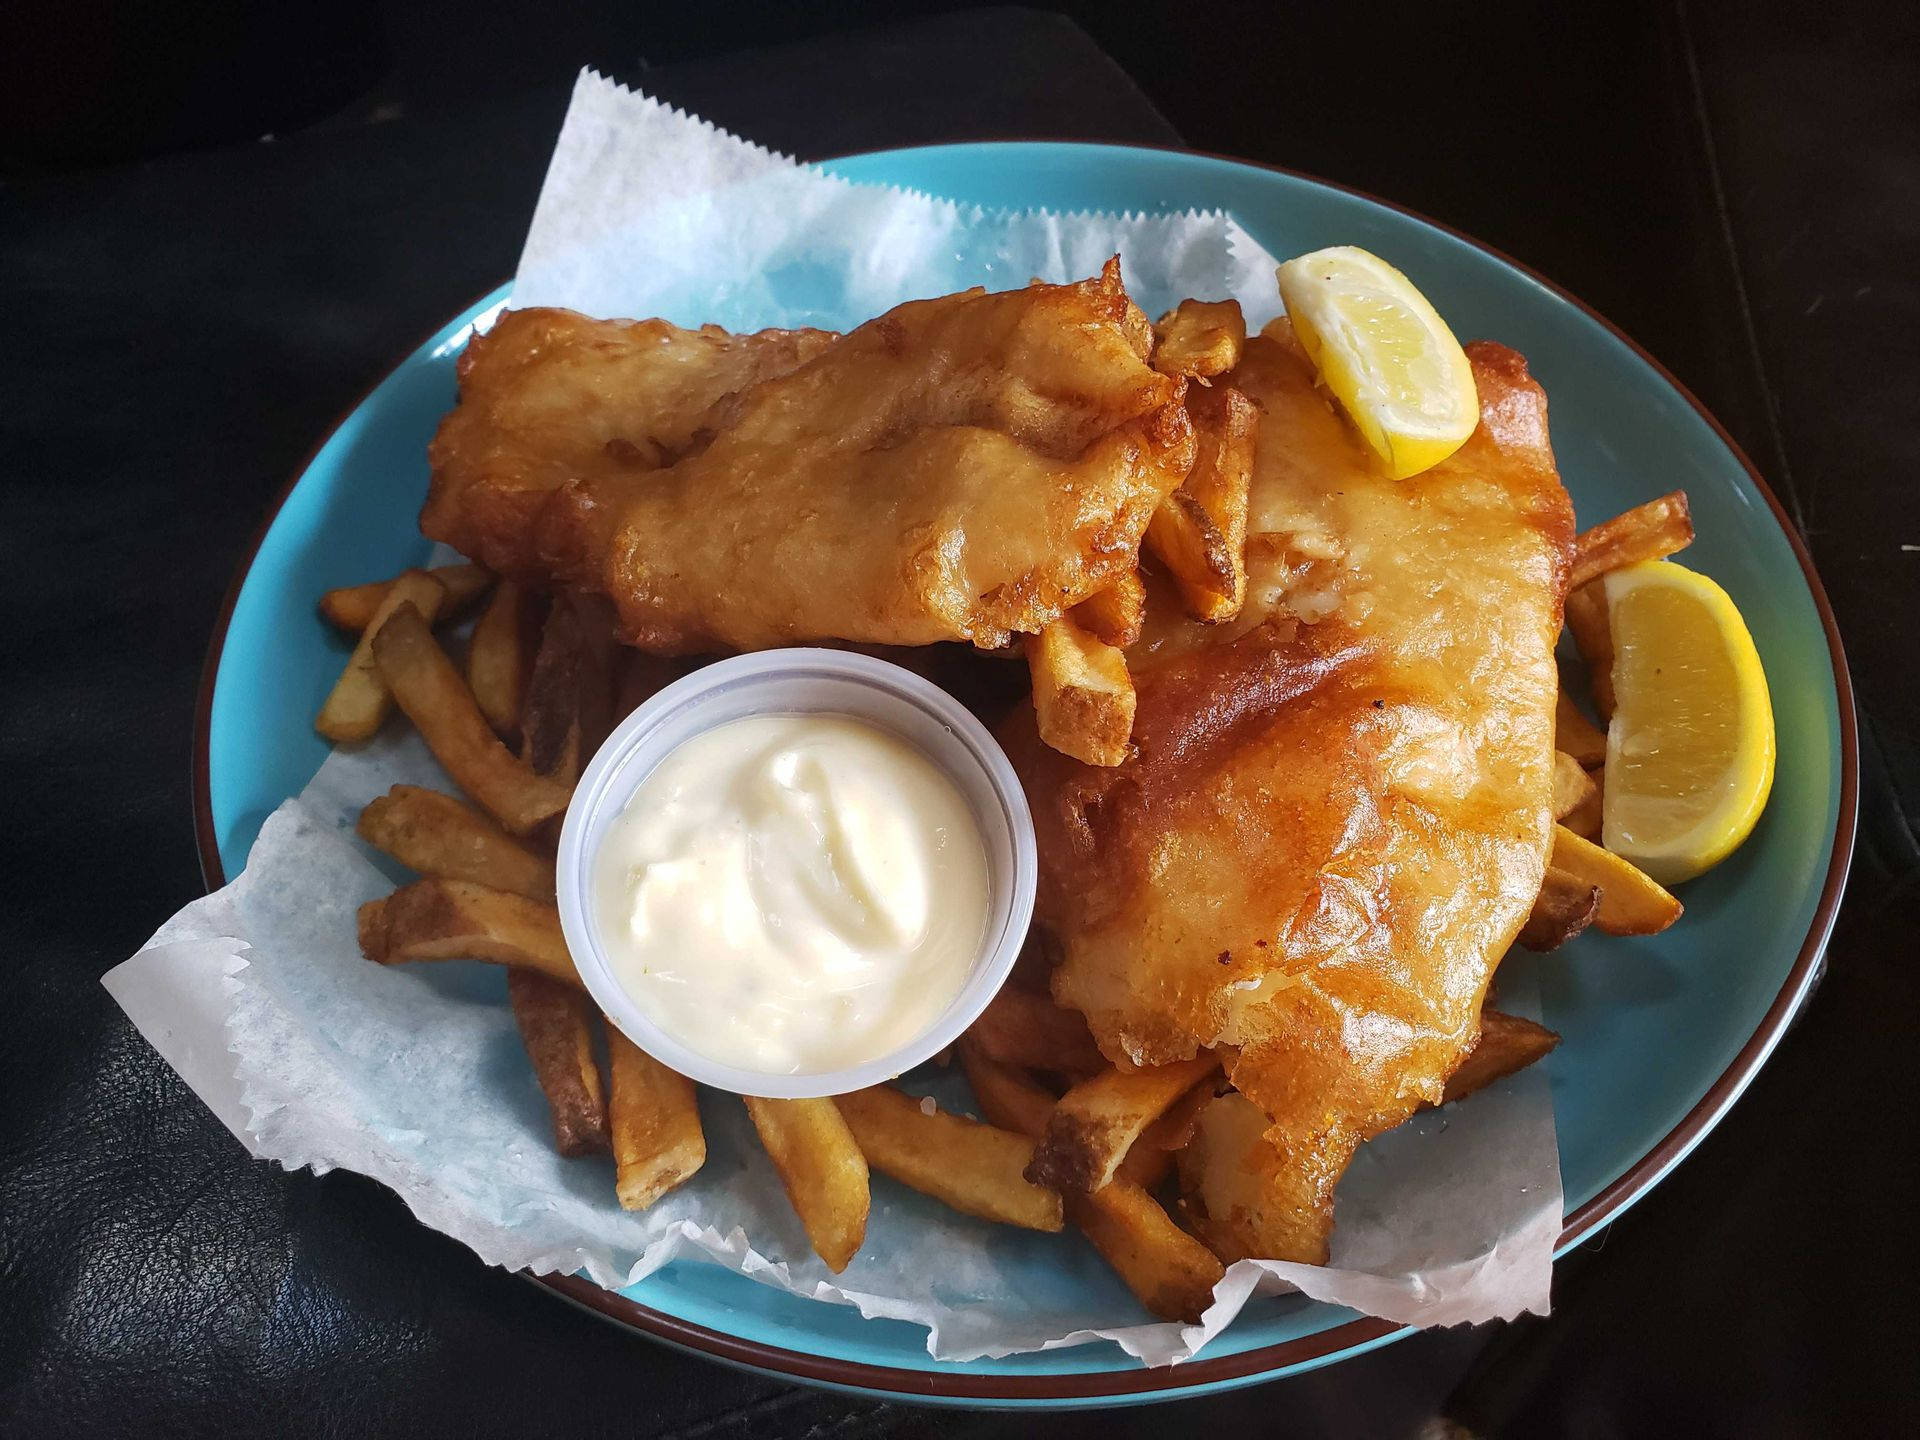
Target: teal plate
[(1710, 997)]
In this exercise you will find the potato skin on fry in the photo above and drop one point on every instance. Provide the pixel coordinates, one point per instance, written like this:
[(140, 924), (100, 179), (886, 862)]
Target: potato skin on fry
[(1507, 1044), (442, 708), (352, 608), (456, 920), (436, 835), (1632, 902), (1095, 1123), (361, 699), (556, 1029), (1566, 905)]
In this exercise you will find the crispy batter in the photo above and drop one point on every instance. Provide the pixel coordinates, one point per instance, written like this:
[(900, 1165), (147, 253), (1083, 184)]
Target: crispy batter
[(957, 469), (550, 396), (1366, 751)]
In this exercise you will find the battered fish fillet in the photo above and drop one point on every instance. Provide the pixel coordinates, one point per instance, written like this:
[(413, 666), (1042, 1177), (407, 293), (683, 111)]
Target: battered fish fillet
[(958, 469), (549, 397), (1337, 817)]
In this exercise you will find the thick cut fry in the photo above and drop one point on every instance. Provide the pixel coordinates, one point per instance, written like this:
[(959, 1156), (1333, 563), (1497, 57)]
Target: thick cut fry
[(1584, 818), (1587, 619), (1631, 901), (821, 1166), (1115, 615), (500, 656), (1170, 1272), (1508, 1043), (353, 607), (1566, 905), (455, 920), (1082, 695), (1012, 1101), (1096, 1122), (436, 835), (438, 702), (1006, 1097), (1651, 531), (1572, 786), (556, 1028), (361, 700), (1030, 1032), (974, 1168), (1575, 735), (569, 697), (1200, 531), (1199, 339), (655, 1120)]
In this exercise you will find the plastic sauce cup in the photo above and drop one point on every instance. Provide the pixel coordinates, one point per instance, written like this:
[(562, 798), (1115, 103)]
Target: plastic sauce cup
[(799, 682)]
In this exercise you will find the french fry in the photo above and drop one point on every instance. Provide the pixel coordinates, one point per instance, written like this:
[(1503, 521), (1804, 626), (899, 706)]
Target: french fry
[(974, 1168), (821, 1166), (556, 1028), (1631, 901), (1576, 735), (654, 1119), (569, 695), (456, 920), (441, 707), (1169, 1272), (1199, 339), (1200, 531), (360, 700), (1507, 1044), (435, 834), (1030, 1032), (1097, 1121), (1593, 635), (353, 607), (500, 656), (1584, 818), (1572, 786), (1651, 531), (1082, 694), (1565, 906), (1114, 615)]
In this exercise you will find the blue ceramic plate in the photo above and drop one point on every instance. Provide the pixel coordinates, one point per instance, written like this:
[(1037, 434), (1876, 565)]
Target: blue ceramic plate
[(1710, 997)]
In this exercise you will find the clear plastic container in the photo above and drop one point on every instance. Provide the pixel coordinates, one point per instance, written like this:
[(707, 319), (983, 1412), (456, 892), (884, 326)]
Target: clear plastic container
[(803, 681)]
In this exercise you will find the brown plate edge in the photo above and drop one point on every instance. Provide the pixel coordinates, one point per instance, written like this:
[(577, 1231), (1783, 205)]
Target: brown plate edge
[(961, 1385)]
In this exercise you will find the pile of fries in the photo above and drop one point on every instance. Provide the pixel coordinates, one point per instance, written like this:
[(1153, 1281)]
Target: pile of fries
[(1138, 1160)]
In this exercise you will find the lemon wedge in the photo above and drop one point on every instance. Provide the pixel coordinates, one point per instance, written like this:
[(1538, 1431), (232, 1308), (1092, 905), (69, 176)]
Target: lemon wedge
[(1385, 353), (1690, 749)]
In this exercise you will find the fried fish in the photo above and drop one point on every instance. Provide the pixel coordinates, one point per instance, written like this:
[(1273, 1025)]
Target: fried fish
[(1338, 812), (962, 468)]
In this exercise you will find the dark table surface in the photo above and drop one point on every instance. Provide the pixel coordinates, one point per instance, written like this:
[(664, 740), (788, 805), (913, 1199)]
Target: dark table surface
[(1738, 189)]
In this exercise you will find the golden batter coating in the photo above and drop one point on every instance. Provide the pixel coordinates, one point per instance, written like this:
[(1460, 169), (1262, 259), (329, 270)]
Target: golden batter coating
[(957, 469), (1338, 813)]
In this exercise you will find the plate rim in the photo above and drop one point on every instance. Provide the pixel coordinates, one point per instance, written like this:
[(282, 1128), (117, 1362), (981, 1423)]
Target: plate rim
[(1246, 1366)]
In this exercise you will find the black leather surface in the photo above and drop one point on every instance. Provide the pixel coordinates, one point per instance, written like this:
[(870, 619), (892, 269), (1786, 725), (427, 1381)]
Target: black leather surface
[(1740, 190)]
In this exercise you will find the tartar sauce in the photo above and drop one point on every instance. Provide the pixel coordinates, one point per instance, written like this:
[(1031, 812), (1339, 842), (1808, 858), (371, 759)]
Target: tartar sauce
[(790, 894)]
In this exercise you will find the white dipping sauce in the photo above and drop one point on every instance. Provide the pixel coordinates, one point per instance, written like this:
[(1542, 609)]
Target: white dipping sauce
[(790, 894)]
